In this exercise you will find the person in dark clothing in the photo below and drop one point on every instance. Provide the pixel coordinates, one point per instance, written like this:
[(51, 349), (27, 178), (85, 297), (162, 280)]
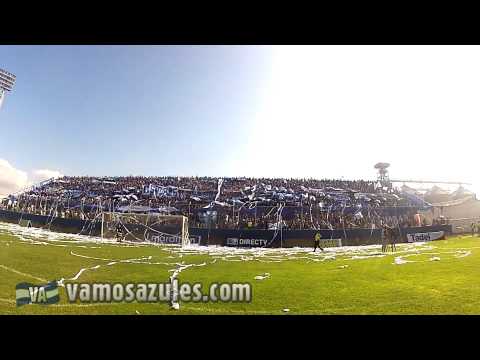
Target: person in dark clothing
[(395, 233), (385, 237), (119, 232), (316, 242)]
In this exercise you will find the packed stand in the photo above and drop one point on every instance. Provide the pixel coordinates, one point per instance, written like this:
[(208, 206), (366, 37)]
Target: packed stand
[(257, 203)]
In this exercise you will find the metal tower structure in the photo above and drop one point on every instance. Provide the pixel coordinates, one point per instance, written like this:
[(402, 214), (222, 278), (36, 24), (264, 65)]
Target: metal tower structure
[(382, 176)]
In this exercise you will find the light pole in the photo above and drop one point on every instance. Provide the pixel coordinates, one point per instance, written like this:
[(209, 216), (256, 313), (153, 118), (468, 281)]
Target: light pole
[(7, 80)]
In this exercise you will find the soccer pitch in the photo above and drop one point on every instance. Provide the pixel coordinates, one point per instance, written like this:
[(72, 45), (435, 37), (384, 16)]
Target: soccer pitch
[(438, 277)]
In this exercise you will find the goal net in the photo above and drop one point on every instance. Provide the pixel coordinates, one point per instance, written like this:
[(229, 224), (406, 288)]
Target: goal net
[(155, 228)]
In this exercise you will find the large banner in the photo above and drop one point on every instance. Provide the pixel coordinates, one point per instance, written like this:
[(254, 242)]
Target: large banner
[(428, 236)]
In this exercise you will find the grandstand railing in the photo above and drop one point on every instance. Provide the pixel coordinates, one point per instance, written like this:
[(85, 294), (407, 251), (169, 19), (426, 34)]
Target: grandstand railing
[(33, 187)]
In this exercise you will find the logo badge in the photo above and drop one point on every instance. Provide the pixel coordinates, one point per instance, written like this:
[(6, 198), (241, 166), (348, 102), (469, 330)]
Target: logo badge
[(27, 293)]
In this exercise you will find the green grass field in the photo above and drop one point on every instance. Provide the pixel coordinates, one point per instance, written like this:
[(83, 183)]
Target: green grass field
[(432, 278)]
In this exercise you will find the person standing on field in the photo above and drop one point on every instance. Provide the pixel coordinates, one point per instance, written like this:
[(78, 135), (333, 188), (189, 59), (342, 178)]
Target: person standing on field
[(385, 237), (316, 242), (395, 232)]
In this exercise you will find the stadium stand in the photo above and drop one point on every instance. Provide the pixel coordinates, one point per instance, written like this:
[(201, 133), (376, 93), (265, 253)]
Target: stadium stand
[(226, 203)]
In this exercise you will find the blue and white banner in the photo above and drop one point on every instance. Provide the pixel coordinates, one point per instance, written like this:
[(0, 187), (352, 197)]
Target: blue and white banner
[(160, 191)]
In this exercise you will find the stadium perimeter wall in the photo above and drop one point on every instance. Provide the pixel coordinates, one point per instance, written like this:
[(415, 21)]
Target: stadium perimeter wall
[(303, 238), (227, 237)]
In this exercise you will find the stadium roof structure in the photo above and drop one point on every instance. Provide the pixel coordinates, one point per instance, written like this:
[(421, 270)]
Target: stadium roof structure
[(461, 192)]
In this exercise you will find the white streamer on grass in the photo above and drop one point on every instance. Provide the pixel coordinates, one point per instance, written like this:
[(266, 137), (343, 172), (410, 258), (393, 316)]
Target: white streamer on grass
[(216, 253)]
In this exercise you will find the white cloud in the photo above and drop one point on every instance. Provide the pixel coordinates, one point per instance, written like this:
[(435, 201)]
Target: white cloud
[(13, 179)]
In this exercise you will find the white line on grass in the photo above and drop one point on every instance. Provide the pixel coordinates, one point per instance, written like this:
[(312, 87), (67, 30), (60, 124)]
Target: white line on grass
[(21, 273)]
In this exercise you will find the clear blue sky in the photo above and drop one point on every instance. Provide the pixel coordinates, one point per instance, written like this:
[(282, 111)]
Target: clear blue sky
[(119, 110), (292, 111)]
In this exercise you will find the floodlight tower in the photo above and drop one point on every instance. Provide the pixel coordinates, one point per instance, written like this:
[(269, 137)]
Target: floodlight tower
[(7, 80), (382, 176)]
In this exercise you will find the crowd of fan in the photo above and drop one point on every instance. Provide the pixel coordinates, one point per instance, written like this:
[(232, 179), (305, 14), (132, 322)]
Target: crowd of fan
[(222, 203)]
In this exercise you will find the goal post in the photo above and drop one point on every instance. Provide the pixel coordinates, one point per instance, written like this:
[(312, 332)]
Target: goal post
[(150, 227)]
